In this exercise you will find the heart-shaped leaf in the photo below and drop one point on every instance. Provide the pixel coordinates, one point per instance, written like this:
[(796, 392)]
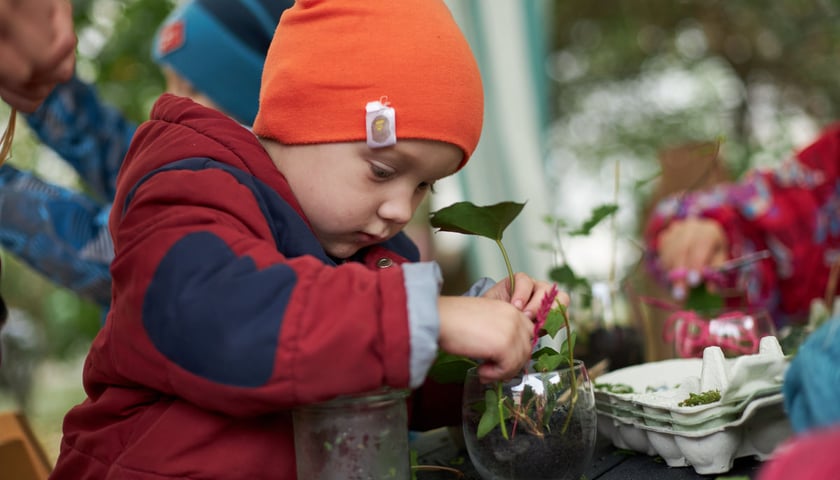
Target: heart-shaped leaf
[(487, 221)]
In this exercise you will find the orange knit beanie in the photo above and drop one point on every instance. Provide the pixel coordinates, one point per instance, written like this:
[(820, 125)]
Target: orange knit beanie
[(370, 70)]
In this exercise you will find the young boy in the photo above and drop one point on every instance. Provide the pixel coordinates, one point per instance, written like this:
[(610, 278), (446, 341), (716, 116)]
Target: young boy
[(254, 274), (209, 50)]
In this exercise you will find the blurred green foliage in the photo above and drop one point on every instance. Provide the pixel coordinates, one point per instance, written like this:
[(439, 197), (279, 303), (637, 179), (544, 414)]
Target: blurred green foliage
[(114, 48), (784, 49), (632, 78), (115, 44)]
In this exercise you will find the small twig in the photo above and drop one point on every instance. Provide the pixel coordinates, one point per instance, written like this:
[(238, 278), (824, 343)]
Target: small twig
[(599, 369), (8, 135), (831, 287), (451, 470)]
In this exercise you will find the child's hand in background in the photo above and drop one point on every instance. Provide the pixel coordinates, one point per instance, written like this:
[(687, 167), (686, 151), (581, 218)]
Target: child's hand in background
[(37, 50), (687, 247)]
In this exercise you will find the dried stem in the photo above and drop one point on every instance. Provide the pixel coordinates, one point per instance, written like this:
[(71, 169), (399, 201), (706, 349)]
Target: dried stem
[(614, 240), (831, 287), (8, 135), (451, 470)]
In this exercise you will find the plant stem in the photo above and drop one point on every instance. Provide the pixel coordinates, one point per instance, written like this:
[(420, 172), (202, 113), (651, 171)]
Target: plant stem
[(614, 246), (501, 406), (571, 367), (507, 264)]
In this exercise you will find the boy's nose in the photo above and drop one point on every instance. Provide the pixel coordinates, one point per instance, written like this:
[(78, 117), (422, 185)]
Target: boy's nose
[(396, 209)]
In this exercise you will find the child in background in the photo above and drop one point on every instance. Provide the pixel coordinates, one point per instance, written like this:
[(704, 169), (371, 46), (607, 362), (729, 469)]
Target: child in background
[(792, 211), (209, 50), (257, 273), (37, 51)]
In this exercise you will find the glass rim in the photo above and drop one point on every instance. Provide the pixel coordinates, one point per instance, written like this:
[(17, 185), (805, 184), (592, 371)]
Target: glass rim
[(578, 363), (380, 395)]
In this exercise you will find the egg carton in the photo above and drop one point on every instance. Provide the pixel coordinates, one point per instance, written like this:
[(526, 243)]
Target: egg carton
[(710, 418), (737, 379), (701, 430), (762, 427)]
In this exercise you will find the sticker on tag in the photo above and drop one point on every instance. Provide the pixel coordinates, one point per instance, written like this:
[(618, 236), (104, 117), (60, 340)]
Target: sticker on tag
[(380, 121)]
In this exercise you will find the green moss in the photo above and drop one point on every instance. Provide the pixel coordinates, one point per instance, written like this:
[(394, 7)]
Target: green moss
[(614, 387), (702, 398)]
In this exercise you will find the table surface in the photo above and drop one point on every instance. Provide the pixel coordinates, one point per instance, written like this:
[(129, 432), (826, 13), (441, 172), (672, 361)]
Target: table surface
[(608, 463)]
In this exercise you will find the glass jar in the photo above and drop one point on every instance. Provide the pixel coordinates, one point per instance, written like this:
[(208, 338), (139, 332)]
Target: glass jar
[(359, 437)]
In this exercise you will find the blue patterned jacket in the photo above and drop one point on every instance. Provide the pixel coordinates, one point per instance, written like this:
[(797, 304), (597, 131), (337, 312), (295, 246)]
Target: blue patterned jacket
[(60, 232)]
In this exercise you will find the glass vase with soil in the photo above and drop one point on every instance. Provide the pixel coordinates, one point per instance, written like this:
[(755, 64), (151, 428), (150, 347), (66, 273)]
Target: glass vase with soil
[(548, 427)]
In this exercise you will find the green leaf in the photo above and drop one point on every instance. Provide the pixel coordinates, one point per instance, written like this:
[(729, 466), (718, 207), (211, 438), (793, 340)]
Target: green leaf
[(599, 213), (548, 360), (528, 394), (701, 300), (412, 458), (564, 275), (450, 368), (553, 221), (542, 352), (554, 321), (487, 221), (639, 184), (490, 418)]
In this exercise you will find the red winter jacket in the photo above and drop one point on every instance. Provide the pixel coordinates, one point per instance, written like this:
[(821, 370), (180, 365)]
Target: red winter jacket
[(225, 314)]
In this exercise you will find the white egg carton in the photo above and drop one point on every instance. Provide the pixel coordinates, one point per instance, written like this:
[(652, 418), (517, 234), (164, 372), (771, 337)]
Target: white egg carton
[(659, 387), (749, 420), (762, 428), (707, 418)]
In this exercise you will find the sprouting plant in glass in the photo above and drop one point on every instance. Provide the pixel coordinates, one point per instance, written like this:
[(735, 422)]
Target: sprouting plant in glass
[(530, 411)]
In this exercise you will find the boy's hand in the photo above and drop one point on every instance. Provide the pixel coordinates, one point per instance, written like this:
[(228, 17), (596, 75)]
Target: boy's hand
[(490, 330), (528, 294)]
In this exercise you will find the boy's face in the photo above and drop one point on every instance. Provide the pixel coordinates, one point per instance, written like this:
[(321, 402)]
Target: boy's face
[(355, 196)]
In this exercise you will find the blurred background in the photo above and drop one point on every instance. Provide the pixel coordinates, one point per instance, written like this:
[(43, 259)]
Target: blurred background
[(588, 103)]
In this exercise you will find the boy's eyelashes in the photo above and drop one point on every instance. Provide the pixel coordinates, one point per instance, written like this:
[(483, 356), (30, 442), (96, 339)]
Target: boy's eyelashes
[(382, 173)]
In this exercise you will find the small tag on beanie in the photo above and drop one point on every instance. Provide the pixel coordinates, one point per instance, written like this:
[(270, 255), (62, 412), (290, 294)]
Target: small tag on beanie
[(171, 38), (380, 121)]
